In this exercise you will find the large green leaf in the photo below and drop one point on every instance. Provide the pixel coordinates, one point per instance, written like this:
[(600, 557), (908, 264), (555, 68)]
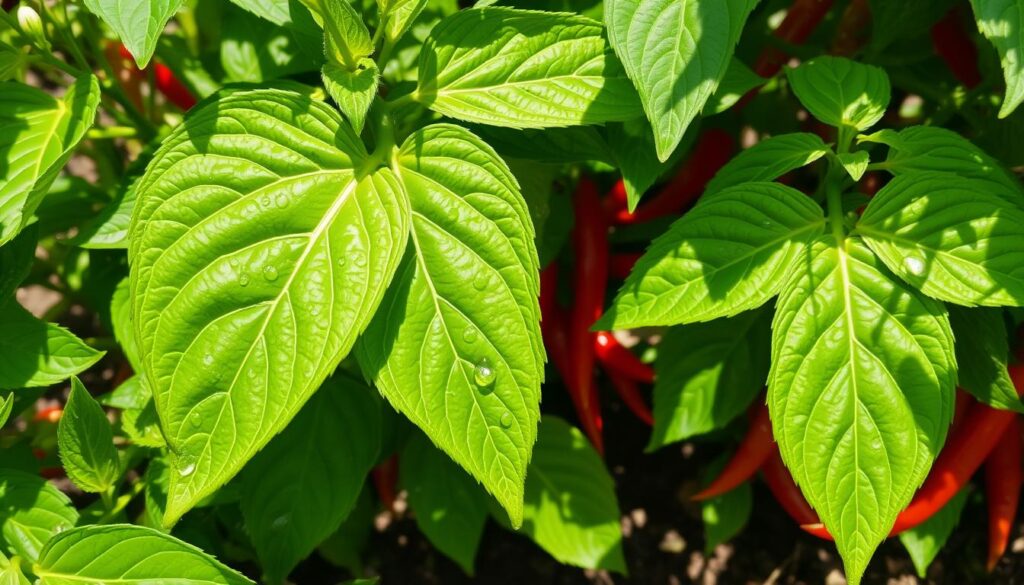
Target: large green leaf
[(632, 144), (860, 392), (128, 555), (138, 23), (729, 254), (676, 53), (34, 353), (549, 145), (570, 509), (300, 488), (346, 39), (523, 69), (10, 572), (946, 236), (842, 93), (769, 159), (86, 442), (398, 15), (924, 541), (724, 516), (450, 507), (929, 148), (456, 345), (707, 374), (38, 133), (262, 243), (896, 20), (31, 511), (1001, 22), (353, 91), (16, 259), (982, 353)]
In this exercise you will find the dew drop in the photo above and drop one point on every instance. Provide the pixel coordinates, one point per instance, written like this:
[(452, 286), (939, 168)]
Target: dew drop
[(914, 265), (208, 359), (233, 262), (270, 272), (243, 279), (341, 261), (186, 465), (483, 374), (359, 259), (505, 420), (280, 522), (470, 334), (281, 201), (265, 201), (195, 419), (481, 281)]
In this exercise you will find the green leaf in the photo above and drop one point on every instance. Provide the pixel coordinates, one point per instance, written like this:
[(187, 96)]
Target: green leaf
[(860, 391), (256, 51), (142, 425), (12, 60), (353, 91), (121, 319), (570, 508), (35, 353), (730, 254), (262, 243), (130, 394), (138, 23), (449, 505), (86, 442), (946, 236), (924, 541), (299, 489), (109, 229), (346, 40), (465, 360), (523, 69), (277, 11), (724, 516), (550, 209), (739, 80), (855, 163), (895, 20), (38, 133), (676, 53), (126, 554), (982, 352), (550, 145), (768, 160), (707, 375), (10, 572), (31, 511), (632, 143), (16, 258), (840, 92), (929, 148), (398, 15), (5, 409), (1001, 21), (345, 546)]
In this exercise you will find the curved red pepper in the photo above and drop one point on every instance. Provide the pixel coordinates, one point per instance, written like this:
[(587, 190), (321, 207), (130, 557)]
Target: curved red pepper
[(787, 493), (590, 243), (620, 360), (753, 451), (616, 201), (385, 479), (172, 88), (952, 44), (1003, 477), (629, 392)]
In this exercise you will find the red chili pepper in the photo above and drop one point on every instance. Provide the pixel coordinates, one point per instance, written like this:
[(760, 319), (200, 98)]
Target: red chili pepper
[(50, 414), (620, 360), (1003, 477), (963, 405), (622, 264), (952, 44), (127, 74), (629, 392), (590, 243), (554, 325), (801, 19), (963, 454), (616, 201), (172, 88), (787, 493), (714, 148), (753, 451), (385, 479)]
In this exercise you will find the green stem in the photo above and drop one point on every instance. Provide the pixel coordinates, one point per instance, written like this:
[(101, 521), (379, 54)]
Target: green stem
[(385, 54), (108, 500), (108, 132), (834, 201), (388, 106)]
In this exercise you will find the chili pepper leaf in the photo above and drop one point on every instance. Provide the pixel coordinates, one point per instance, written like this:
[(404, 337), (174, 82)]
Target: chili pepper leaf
[(450, 507), (142, 425), (299, 489), (86, 442), (128, 554), (860, 391), (982, 353), (31, 511), (16, 258), (550, 145), (768, 160), (841, 92), (523, 69), (278, 12), (571, 510), (256, 51), (923, 542), (5, 408), (1000, 21), (708, 374), (550, 211), (456, 346), (855, 163), (676, 53), (632, 143), (35, 353), (928, 148), (346, 39), (736, 83), (894, 20), (10, 573), (353, 91), (262, 243), (129, 394), (725, 515), (121, 319), (730, 254), (946, 236), (138, 23), (344, 547), (398, 16), (38, 133)]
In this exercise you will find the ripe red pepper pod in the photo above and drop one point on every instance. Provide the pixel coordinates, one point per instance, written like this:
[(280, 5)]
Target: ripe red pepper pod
[(385, 480), (172, 88), (786, 492), (616, 201), (956, 49), (755, 448), (714, 148), (620, 360), (629, 392), (590, 277), (801, 19), (1003, 477)]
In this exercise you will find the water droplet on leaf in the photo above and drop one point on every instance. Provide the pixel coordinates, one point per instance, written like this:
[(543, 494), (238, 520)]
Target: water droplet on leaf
[(280, 522), (359, 259), (481, 281), (506, 420), (270, 273), (281, 201), (208, 359), (186, 465), (483, 374), (243, 279), (914, 265), (195, 419), (470, 334)]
